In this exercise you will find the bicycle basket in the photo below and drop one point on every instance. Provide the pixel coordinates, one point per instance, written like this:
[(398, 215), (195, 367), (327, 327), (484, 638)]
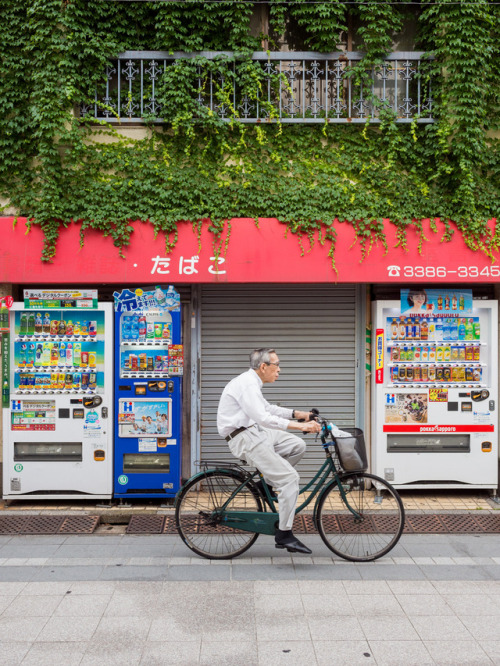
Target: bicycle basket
[(352, 451)]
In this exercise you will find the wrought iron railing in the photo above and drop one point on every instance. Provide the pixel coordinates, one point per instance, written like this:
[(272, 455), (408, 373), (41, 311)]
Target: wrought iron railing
[(295, 87)]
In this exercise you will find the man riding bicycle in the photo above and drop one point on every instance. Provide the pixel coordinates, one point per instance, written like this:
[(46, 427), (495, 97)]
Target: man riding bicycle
[(256, 432)]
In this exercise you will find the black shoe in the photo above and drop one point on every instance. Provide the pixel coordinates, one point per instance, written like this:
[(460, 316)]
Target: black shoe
[(286, 539), (262, 485)]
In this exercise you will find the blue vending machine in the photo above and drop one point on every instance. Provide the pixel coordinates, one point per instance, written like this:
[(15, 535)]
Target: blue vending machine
[(148, 393)]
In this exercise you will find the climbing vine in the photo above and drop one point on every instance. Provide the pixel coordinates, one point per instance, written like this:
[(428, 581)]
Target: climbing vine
[(57, 167)]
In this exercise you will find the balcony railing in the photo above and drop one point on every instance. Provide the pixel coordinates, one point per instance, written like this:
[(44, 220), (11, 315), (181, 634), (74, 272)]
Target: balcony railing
[(295, 87)]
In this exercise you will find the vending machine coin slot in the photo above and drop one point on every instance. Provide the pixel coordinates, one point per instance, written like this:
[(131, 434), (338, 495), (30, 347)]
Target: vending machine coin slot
[(492, 405), (125, 388), (75, 401), (140, 389), (63, 413), (170, 386), (104, 412), (453, 406), (78, 413)]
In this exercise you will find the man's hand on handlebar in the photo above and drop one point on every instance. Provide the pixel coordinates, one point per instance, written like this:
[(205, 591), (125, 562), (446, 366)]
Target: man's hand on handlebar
[(304, 416), (311, 426)]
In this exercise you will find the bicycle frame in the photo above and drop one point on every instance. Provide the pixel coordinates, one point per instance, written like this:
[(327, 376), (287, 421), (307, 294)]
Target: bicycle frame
[(264, 522)]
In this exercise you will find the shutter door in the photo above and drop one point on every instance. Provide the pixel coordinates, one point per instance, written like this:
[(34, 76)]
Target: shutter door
[(312, 329)]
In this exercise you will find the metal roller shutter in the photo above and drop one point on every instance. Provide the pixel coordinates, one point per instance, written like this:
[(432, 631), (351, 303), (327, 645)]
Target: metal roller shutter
[(313, 330)]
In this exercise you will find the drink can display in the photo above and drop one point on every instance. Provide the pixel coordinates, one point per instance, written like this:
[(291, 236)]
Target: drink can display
[(446, 374), (454, 354), (432, 373), (402, 373), (461, 373), (30, 381), (469, 353), (46, 382), (60, 380), (77, 380), (409, 354), (159, 328), (394, 373), (143, 361), (425, 354), (395, 354), (425, 373), (84, 328), (133, 362), (150, 330), (455, 374), (469, 374), (409, 373), (417, 352), (84, 359), (440, 354), (461, 353), (54, 380), (68, 381), (439, 374), (92, 359), (446, 353), (417, 373), (476, 354), (92, 381), (85, 380), (432, 354), (477, 374), (403, 353), (92, 325), (150, 363)]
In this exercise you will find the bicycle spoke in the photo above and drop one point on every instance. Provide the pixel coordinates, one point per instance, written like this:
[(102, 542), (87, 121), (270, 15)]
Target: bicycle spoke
[(366, 523), (198, 515)]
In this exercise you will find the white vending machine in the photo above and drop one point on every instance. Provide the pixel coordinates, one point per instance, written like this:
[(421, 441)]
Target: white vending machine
[(435, 390), (58, 426)]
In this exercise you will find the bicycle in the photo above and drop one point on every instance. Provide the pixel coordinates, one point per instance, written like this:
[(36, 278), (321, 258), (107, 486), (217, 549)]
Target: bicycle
[(220, 512)]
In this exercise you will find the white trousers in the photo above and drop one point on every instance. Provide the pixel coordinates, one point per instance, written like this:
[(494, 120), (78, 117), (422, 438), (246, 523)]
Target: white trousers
[(274, 453)]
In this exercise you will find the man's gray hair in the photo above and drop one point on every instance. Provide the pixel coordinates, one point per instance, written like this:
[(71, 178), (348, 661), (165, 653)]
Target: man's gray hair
[(259, 356)]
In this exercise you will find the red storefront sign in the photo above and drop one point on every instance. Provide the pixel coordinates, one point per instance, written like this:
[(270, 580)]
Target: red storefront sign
[(265, 253)]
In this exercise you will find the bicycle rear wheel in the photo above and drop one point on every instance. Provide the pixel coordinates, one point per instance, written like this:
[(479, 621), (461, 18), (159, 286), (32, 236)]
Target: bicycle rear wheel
[(364, 526), (198, 516)]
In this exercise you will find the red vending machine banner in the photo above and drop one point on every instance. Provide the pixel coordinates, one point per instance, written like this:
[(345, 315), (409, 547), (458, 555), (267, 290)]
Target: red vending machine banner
[(379, 356)]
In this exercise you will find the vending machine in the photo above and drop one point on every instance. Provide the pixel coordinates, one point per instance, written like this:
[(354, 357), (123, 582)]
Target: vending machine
[(148, 393), (58, 413), (435, 389)]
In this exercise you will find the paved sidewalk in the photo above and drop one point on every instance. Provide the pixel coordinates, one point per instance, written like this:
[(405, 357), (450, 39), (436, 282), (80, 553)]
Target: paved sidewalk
[(112, 598)]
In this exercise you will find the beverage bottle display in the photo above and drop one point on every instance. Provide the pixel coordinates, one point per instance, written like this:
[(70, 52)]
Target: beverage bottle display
[(416, 329), (62, 353), (22, 355), (446, 330), (432, 354), (469, 353), (446, 302), (432, 329), (38, 354), (395, 354), (134, 328), (424, 330), (77, 379), (417, 352), (92, 328), (77, 354), (440, 302), (126, 326), (69, 354), (425, 373), (447, 353), (31, 324), (461, 330), (394, 329), (69, 328), (161, 298), (159, 327), (461, 302), (167, 331), (23, 324), (54, 354), (401, 329), (461, 353), (476, 327), (409, 330), (84, 328), (54, 324), (454, 329), (440, 354), (30, 355), (38, 323), (409, 354), (403, 354), (476, 353), (454, 353), (425, 354), (454, 302), (469, 331), (46, 323), (150, 330), (61, 329), (439, 332), (76, 328), (142, 327)]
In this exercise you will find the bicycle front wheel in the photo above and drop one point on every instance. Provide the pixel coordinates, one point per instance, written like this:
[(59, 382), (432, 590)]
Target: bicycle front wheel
[(366, 522), (198, 514)]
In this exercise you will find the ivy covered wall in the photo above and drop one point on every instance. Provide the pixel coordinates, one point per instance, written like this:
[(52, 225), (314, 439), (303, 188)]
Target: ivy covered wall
[(56, 167)]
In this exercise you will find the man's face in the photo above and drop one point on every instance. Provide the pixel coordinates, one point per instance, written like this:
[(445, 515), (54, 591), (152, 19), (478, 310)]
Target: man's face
[(269, 372)]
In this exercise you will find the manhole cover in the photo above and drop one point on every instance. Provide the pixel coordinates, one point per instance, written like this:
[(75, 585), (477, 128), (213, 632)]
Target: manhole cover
[(145, 525), (79, 524), (42, 525)]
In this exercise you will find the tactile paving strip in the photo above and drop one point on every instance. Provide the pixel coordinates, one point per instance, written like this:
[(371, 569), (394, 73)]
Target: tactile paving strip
[(48, 524)]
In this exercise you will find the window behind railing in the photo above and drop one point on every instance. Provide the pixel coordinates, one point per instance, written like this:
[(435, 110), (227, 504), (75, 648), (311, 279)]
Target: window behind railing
[(292, 87)]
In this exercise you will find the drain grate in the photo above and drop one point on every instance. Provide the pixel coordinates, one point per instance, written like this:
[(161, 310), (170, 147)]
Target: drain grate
[(48, 524), (421, 524), (169, 527), (149, 524)]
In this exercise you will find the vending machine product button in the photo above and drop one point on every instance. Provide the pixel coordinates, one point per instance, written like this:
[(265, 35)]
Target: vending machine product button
[(99, 455), (486, 447)]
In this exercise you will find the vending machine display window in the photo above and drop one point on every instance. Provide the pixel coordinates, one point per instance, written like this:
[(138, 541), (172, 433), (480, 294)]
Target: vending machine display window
[(146, 463), (45, 452)]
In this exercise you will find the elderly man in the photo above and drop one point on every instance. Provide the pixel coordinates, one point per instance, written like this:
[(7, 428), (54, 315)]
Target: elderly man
[(257, 432)]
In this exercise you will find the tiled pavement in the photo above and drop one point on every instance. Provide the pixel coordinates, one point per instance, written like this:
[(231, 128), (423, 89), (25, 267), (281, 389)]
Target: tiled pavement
[(112, 598)]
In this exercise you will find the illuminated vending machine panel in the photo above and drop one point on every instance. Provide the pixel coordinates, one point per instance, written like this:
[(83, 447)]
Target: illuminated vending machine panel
[(148, 388), (435, 388), (58, 423)]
